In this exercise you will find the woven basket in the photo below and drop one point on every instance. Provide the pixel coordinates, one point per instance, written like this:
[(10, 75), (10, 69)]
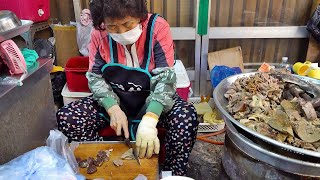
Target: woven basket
[(206, 127)]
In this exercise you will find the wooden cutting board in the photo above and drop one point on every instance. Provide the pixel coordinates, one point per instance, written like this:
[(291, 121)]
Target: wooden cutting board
[(108, 171)]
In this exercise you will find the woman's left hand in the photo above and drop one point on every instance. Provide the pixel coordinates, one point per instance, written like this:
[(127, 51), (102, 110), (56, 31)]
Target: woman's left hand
[(147, 140)]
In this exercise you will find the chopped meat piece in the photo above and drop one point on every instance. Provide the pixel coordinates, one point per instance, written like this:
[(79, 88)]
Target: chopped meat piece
[(83, 163), (118, 162), (316, 102), (91, 169), (90, 160), (128, 155), (308, 109), (306, 97), (98, 162)]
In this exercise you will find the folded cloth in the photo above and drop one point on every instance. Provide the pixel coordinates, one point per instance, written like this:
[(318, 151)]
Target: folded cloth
[(30, 56)]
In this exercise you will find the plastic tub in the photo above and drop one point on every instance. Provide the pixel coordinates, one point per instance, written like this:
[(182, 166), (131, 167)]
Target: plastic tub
[(183, 82), (69, 97), (76, 69)]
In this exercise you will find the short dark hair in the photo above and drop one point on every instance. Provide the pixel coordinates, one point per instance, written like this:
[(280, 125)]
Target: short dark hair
[(101, 9)]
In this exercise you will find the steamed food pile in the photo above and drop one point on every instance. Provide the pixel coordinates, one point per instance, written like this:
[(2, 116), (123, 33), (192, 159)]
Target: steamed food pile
[(279, 106)]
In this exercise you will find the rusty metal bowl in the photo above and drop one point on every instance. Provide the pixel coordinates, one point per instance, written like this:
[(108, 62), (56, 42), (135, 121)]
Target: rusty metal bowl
[(8, 21)]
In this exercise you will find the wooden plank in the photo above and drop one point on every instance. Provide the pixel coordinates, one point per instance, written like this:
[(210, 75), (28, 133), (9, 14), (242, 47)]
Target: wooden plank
[(185, 13), (213, 14), (224, 6), (129, 170), (149, 5), (171, 15), (66, 12), (186, 48), (275, 16), (237, 13), (263, 13), (313, 53), (236, 20), (289, 12), (87, 4), (246, 48), (258, 46), (158, 6), (250, 12), (77, 9), (302, 12), (185, 52), (249, 16), (301, 8), (224, 13), (285, 46), (274, 20)]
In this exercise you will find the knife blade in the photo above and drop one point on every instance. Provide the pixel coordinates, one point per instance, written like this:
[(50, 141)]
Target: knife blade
[(128, 143)]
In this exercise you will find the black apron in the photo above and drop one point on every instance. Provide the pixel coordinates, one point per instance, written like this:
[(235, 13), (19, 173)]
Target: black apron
[(132, 85)]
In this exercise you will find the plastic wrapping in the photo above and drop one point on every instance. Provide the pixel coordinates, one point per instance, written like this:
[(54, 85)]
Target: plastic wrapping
[(219, 73), (83, 38), (314, 24), (53, 162), (10, 81), (59, 143)]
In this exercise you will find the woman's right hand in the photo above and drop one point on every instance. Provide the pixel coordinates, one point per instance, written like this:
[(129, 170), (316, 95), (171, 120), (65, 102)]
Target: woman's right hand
[(118, 120)]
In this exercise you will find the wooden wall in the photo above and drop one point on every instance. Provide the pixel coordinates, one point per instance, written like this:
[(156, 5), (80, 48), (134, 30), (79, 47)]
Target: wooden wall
[(262, 13), (181, 13)]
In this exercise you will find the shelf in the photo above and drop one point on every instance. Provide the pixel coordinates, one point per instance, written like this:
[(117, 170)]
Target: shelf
[(26, 24)]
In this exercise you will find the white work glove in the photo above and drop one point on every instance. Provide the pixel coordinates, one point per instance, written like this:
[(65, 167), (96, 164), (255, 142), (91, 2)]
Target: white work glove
[(118, 121), (147, 136)]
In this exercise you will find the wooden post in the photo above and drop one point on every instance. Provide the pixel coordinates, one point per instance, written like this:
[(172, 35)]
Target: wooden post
[(77, 9), (313, 53)]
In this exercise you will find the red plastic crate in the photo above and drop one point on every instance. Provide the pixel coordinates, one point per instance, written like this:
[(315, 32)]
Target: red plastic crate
[(184, 92), (35, 10), (76, 69)]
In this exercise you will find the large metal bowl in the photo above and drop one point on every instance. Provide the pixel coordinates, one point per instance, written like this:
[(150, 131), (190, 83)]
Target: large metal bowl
[(8, 21), (221, 103)]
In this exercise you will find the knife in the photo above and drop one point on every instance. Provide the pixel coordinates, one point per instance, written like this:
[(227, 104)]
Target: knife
[(127, 141)]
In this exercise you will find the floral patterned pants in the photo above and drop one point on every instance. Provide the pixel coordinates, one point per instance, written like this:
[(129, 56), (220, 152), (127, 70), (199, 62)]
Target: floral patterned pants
[(81, 121)]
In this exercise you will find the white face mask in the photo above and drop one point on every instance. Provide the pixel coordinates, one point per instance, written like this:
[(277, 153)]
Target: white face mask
[(128, 37)]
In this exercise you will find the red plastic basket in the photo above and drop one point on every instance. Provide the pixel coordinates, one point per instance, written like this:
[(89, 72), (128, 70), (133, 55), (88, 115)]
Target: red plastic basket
[(76, 69)]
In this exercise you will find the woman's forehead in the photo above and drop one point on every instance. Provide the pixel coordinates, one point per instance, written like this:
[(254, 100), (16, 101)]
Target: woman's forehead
[(119, 21)]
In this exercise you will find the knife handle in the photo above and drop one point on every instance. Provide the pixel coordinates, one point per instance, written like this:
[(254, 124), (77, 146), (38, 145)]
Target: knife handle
[(127, 141)]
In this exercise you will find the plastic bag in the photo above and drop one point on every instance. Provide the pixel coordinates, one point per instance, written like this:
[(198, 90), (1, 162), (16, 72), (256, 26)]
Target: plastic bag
[(10, 81), (59, 143), (219, 73), (313, 25), (52, 162), (83, 38)]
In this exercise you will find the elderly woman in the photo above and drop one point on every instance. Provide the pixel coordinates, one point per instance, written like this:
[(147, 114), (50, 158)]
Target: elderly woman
[(132, 79)]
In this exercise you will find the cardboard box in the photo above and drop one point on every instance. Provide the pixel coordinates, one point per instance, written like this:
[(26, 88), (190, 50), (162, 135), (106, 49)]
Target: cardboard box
[(66, 43)]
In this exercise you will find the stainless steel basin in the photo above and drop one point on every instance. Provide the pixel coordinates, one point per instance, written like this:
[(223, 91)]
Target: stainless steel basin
[(8, 21), (261, 147)]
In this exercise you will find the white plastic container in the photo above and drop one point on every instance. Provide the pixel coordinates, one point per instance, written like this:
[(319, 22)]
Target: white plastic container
[(69, 97), (183, 82)]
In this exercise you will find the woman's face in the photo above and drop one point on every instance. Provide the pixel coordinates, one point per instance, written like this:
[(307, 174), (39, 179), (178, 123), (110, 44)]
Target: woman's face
[(119, 26)]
